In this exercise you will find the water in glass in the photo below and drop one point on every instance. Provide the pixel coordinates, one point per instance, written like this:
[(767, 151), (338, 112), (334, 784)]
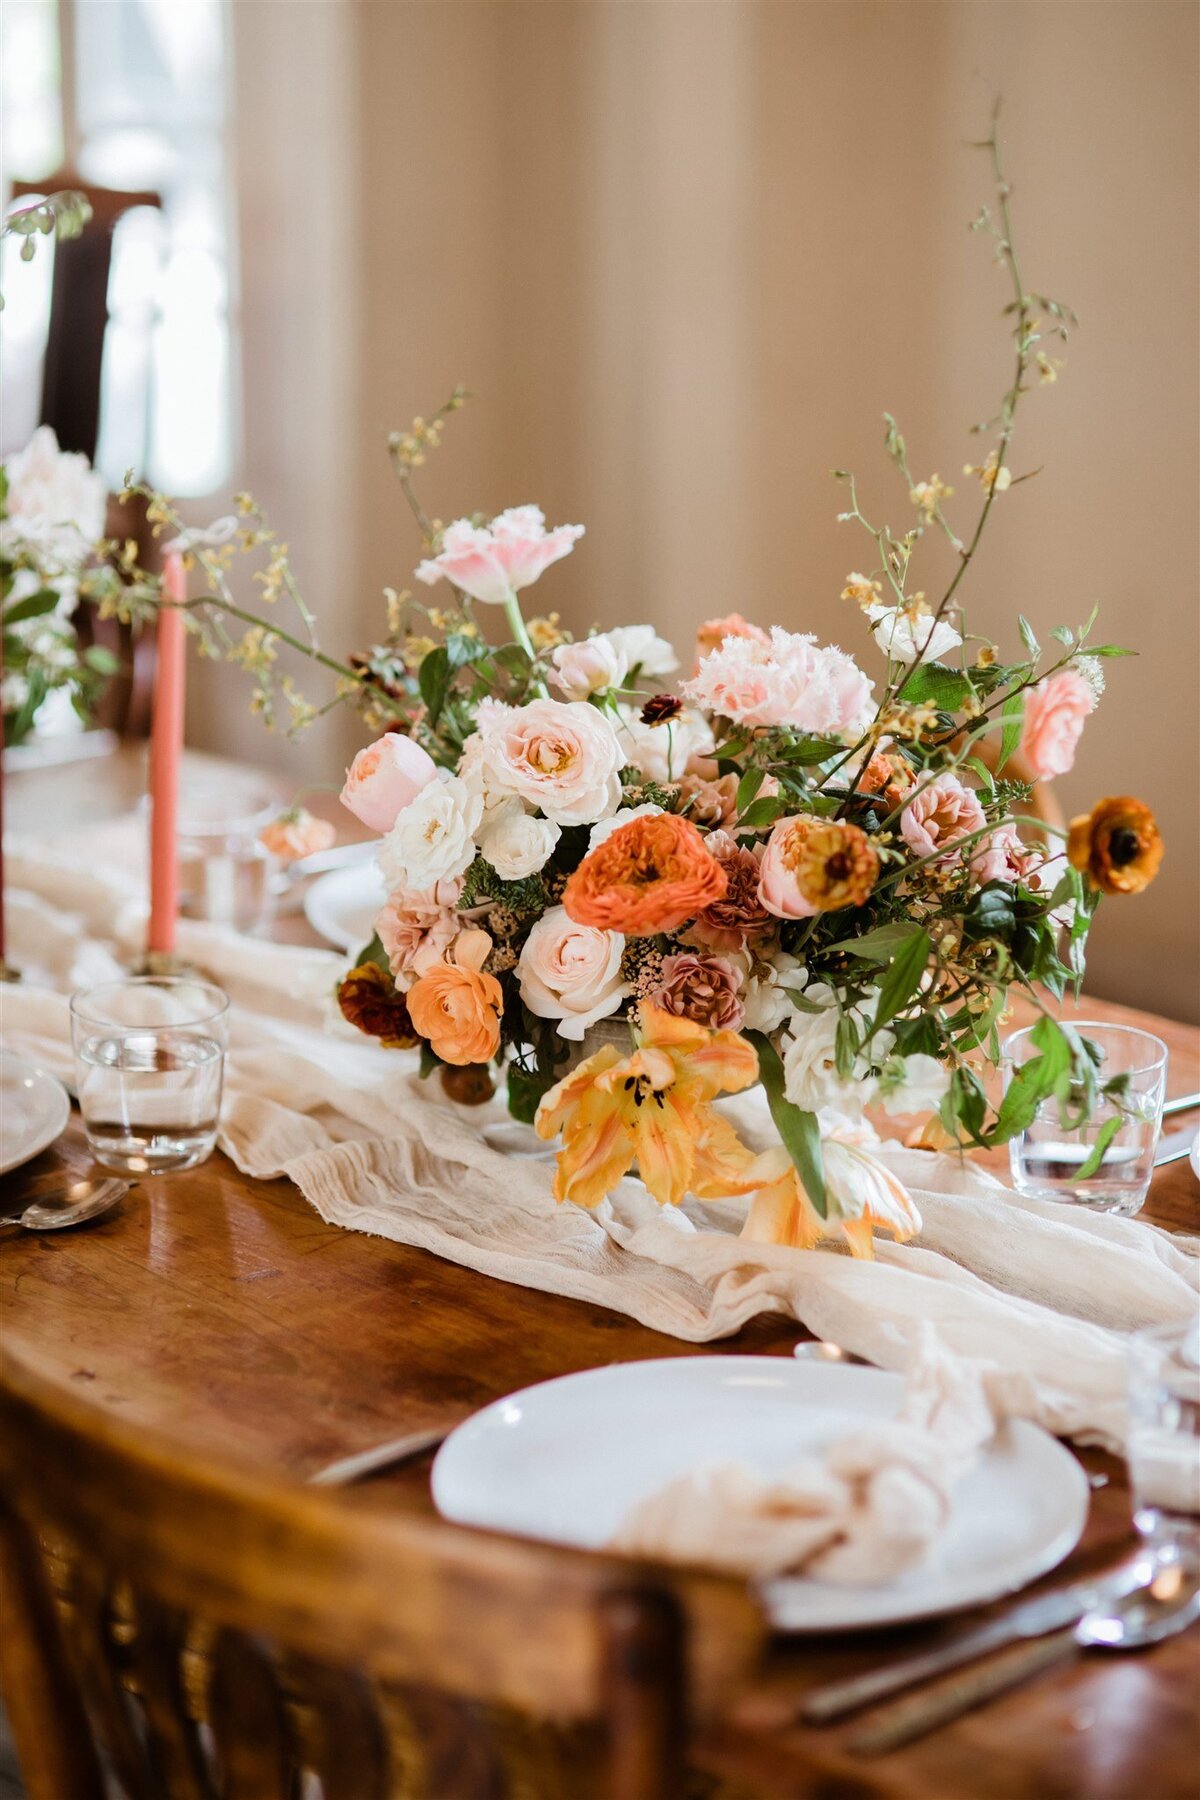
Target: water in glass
[(149, 1058)]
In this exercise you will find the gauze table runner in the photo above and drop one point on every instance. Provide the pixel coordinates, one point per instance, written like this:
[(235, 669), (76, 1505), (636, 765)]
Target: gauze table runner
[(1038, 1294)]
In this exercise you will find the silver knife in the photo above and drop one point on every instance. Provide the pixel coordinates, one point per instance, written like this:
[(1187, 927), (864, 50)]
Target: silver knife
[(1032, 1619), (1174, 1145)]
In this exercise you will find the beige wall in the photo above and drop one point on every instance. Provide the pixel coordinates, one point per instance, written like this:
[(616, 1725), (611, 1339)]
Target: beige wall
[(685, 254)]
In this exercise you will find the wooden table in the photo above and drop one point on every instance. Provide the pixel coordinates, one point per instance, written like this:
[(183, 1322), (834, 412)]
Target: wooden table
[(224, 1309)]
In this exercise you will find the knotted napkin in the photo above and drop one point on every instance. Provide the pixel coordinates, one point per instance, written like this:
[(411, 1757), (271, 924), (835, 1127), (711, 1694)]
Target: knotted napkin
[(868, 1508), (1038, 1292)]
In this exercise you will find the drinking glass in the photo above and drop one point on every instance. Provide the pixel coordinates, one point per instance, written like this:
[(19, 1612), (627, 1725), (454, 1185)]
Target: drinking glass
[(1048, 1157), (149, 1061), (1164, 1438), (224, 871)]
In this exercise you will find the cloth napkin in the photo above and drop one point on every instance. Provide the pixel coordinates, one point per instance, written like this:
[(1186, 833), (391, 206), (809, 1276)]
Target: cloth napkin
[(867, 1509), (1037, 1292)]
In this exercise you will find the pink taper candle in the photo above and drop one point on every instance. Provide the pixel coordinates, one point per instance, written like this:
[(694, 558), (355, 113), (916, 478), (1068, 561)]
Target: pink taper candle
[(166, 750)]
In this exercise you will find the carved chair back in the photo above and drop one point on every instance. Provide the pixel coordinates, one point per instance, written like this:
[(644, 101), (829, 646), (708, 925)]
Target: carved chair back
[(206, 1632)]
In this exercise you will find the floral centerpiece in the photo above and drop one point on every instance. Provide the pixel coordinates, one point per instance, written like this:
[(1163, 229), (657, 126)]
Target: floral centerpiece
[(629, 883)]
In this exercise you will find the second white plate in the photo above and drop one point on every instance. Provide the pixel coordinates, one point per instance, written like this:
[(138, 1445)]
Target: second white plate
[(343, 905), (34, 1110), (567, 1460)]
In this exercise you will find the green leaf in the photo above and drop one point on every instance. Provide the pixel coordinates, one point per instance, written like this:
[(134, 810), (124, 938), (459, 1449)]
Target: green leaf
[(799, 1131), (1109, 650), (1034, 1081), (1013, 715), (34, 606), (1107, 1133), (882, 943), (101, 659), (748, 786), (763, 812), (1027, 638), (802, 1003), (936, 684), (903, 976), (845, 1047), (433, 679)]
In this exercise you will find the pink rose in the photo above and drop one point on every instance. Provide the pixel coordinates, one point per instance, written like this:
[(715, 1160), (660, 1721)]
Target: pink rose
[(559, 755), (1001, 856), (1054, 713), (940, 813), (491, 562), (385, 778), (417, 927), (571, 972), (701, 988), (585, 667)]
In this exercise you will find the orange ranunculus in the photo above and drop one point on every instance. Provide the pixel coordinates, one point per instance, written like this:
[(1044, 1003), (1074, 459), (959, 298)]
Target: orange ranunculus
[(370, 1001), (1117, 845), (648, 876), (860, 1193), (456, 1006), (652, 1106)]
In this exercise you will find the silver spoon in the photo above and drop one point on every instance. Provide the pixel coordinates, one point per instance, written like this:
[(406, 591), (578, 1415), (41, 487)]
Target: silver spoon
[(70, 1205), (1168, 1603)]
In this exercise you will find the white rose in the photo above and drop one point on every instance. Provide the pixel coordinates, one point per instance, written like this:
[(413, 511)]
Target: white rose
[(606, 827), (584, 668), (55, 499), (515, 842), (662, 752), (561, 756), (643, 649), (903, 641), (811, 1080), (433, 838), (764, 998), (916, 1083), (571, 972)]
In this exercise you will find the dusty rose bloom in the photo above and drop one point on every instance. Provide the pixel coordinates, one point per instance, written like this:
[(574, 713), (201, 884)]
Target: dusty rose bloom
[(703, 989), (942, 812), (740, 916), (416, 928), (708, 800)]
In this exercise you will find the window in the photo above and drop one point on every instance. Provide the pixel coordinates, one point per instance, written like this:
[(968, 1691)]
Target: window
[(131, 94)]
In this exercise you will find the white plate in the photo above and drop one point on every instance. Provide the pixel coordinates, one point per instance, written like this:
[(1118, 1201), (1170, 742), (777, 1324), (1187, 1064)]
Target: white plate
[(343, 905), (34, 1110), (566, 1461)]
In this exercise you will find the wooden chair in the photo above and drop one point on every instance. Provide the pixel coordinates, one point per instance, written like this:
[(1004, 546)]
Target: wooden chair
[(198, 1631), (71, 382)]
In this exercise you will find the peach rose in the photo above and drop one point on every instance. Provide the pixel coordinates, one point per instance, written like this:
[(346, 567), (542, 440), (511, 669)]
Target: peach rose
[(571, 972), (385, 778), (648, 876), (456, 1007), (1054, 713), (296, 833), (1001, 856), (939, 814), (559, 755)]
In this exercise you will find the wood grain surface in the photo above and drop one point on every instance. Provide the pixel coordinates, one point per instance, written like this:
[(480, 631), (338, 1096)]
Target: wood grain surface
[(223, 1309)]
